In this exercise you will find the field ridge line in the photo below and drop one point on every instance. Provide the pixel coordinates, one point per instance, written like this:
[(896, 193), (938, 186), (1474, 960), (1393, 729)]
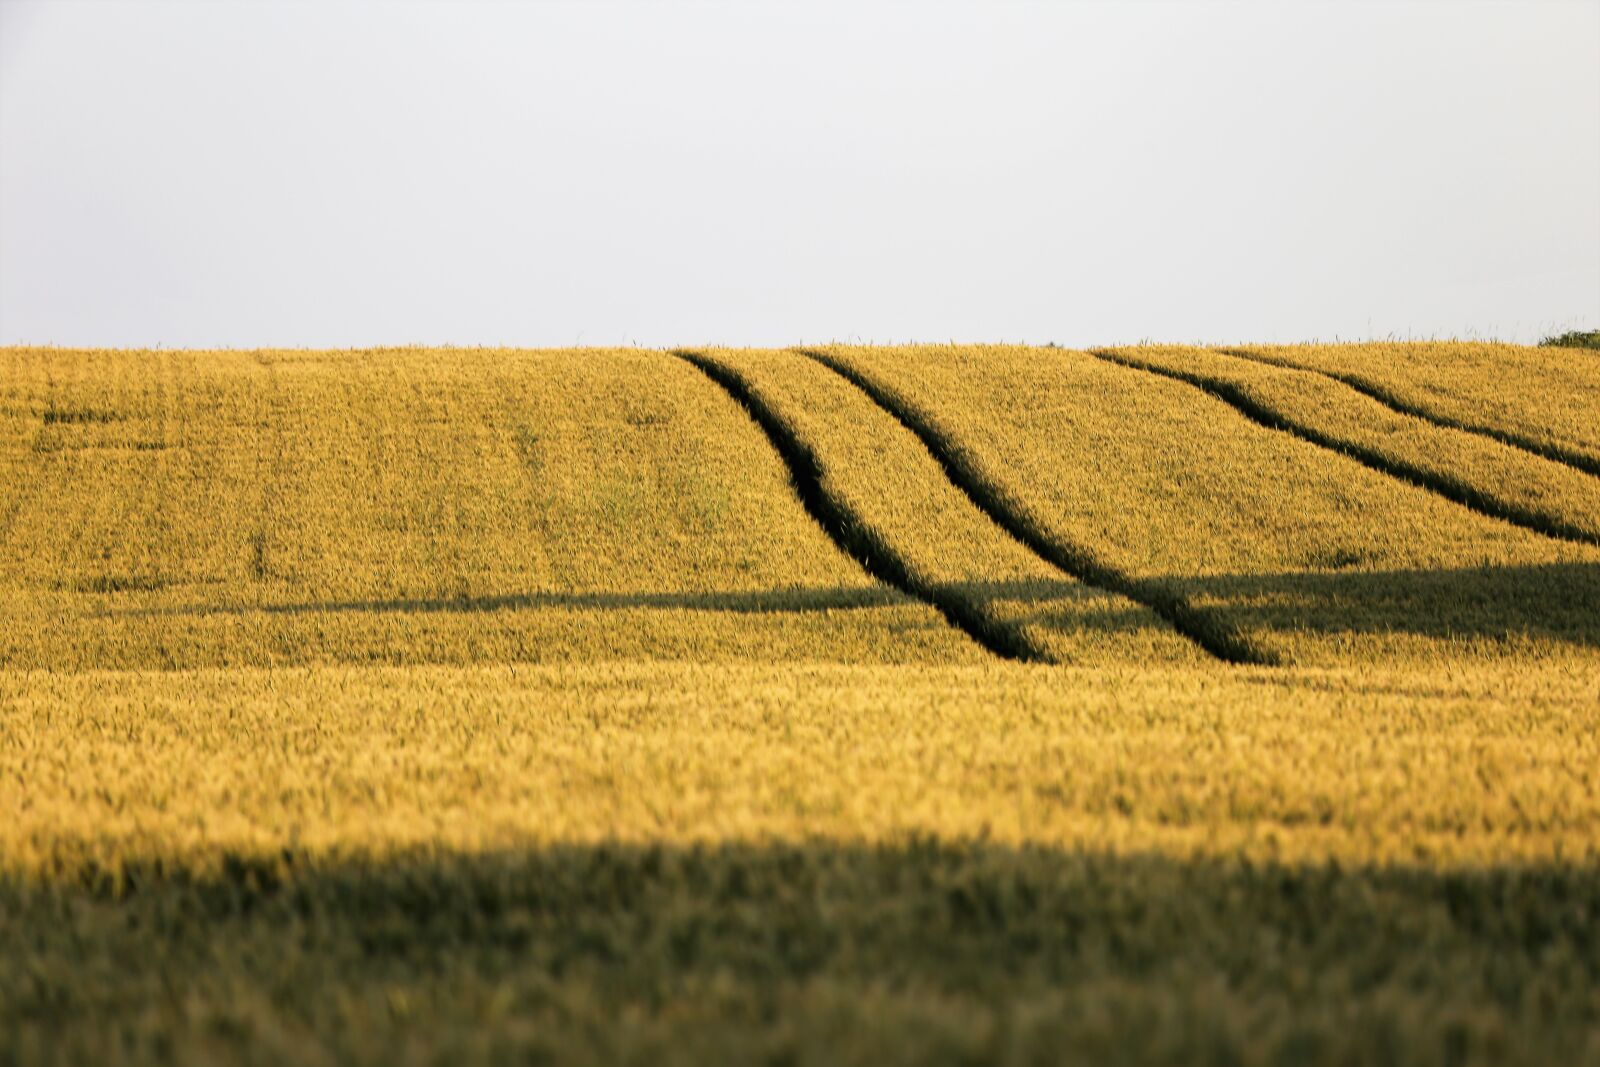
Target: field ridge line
[(854, 536), (1210, 634), (1389, 399), (1452, 489)]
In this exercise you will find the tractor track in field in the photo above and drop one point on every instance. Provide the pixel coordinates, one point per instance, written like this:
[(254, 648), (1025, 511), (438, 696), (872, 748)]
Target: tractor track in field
[(1208, 632), (850, 532), (1454, 490), (1371, 390)]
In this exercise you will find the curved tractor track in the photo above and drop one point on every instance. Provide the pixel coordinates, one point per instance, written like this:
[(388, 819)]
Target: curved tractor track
[(1207, 631), (1401, 406), (1454, 489), (853, 534)]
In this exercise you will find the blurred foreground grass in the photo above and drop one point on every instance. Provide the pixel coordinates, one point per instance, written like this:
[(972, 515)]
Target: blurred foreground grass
[(673, 863)]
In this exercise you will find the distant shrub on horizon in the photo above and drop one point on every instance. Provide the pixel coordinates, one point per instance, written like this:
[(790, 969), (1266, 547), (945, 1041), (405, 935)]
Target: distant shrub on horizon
[(1573, 339)]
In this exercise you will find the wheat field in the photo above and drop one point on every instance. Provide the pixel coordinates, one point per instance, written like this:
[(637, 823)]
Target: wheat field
[(826, 705)]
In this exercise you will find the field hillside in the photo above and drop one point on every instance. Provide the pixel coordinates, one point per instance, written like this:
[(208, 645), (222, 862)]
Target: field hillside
[(823, 705)]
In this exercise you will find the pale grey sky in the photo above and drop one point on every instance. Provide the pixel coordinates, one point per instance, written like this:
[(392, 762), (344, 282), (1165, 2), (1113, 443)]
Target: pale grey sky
[(547, 173)]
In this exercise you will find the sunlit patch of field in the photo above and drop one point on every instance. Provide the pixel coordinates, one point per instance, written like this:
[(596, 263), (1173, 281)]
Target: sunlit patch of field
[(1309, 555), (1484, 473), (944, 542), (947, 703), (1543, 399), (412, 506)]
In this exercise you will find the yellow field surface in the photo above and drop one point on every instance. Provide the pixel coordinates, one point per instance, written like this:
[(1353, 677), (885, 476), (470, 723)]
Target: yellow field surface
[(193, 509), (950, 704), (1306, 554), (1487, 475), (894, 487), (1542, 398)]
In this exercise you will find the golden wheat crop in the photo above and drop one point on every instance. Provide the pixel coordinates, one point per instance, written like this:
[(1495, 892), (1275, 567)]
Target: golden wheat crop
[(1540, 398), (1304, 553), (106, 769), (433, 706), (1483, 473), (893, 486), (187, 509)]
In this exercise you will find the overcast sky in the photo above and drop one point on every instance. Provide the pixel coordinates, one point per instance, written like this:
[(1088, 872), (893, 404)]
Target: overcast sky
[(547, 173)]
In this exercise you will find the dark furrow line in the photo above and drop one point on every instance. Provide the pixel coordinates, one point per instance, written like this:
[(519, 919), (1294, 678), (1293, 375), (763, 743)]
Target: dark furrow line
[(1204, 629), (1373, 391), (1451, 489), (848, 530)]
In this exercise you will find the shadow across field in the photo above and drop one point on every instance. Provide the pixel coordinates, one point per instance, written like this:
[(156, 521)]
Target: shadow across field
[(919, 950), (1557, 602), (752, 601), (1554, 601)]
